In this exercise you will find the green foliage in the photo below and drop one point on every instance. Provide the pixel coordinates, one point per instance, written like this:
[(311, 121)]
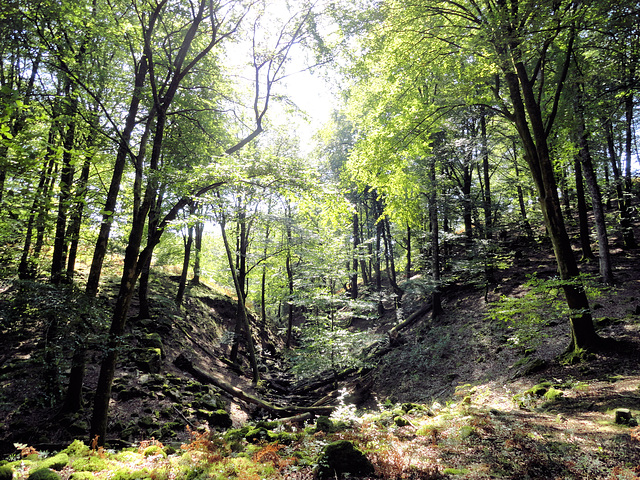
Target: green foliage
[(322, 349), (542, 304)]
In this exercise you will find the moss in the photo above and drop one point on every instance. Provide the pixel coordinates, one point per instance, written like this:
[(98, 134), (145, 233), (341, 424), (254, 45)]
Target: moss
[(6, 473), (342, 457), (466, 431), (44, 474), (553, 394), (538, 390), (57, 462), (236, 434), (324, 424), (153, 450), (260, 434), (77, 448), (454, 471), (401, 421), (81, 476), (89, 464)]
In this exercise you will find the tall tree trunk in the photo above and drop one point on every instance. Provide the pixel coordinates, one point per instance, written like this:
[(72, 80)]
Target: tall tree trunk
[(27, 268), (100, 250), (629, 137), (197, 268), (436, 296), (409, 265), (289, 268), (182, 284), (626, 226), (75, 222), (606, 268), (523, 209), (534, 139), (354, 263), (243, 311), (143, 287), (240, 268), (486, 196), (585, 240)]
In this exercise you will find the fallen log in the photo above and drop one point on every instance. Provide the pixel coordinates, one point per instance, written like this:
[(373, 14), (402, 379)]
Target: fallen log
[(411, 319), (185, 364)]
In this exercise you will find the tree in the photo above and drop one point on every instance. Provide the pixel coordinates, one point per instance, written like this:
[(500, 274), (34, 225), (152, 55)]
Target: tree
[(507, 48)]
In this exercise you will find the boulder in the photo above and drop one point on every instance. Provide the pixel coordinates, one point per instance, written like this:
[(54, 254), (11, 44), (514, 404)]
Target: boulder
[(342, 457)]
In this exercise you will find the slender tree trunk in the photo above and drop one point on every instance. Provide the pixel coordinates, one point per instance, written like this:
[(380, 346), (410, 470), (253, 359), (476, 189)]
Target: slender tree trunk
[(354, 264), (143, 287), (487, 204), (289, 268), (27, 268), (629, 137), (606, 268), (182, 285), (585, 240), (409, 265), (75, 222), (436, 296), (626, 227), (523, 209), (197, 268), (243, 311), (100, 250)]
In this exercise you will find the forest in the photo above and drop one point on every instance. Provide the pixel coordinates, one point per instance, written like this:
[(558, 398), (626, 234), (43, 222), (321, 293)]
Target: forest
[(319, 239)]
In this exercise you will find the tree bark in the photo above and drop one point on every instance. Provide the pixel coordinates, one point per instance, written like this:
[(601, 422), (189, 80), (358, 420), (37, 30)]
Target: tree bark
[(534, 139), (585, 240), (182, 284), (606, 268), (626, 227)]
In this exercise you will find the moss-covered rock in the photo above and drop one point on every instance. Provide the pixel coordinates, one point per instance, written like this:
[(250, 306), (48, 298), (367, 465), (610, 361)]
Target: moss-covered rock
[(259, 434), (220, 418), (324, 424), (6, 473), (149, 359), (342, 457), (44, 474), (400, 421), (57, 462)]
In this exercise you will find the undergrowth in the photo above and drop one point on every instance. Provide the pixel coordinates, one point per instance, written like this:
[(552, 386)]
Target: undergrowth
[(459, 440)]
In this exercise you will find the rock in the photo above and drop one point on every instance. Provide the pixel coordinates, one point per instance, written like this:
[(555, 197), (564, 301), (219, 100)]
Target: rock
[(151, 340), (623, 416), (149, 359), (401, 421), (260, 434), (324, 424), (342, 457), (220, 418)]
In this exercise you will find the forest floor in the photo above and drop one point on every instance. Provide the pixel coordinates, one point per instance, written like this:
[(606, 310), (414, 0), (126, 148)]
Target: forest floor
[(478, 398)]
